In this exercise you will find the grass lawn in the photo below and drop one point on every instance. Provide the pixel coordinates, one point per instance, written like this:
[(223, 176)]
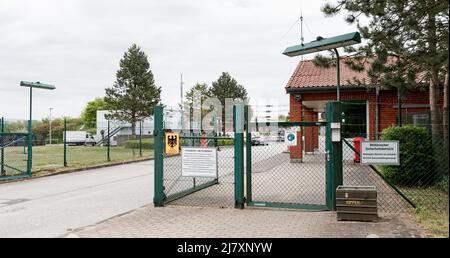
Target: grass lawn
[(50, 159), (432, 212)]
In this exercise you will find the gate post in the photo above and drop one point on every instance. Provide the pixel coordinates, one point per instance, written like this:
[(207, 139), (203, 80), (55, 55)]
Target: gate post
[(2, 168), (248, 155), (158, 134), (334, 153), (238, 119)]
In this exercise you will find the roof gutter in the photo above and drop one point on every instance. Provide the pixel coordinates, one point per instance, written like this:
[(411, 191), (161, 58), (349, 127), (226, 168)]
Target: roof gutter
[(324, 89)]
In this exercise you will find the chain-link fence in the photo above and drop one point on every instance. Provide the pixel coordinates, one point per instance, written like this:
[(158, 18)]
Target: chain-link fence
[(72, 147), (13, 154), (198, 191), (292, 176), (421, 179)]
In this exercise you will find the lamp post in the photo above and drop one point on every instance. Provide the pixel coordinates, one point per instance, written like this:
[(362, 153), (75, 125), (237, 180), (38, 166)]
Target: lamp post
[(322, 44), (50, 127), (32, 85)]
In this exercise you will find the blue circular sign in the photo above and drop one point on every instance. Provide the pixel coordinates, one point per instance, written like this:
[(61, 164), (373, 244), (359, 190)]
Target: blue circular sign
[(291, 137)]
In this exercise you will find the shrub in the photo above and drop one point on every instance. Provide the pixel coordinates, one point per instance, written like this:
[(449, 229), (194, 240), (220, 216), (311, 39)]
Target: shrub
[(443, 184), (416, 157), (134, 144), (225, 142)]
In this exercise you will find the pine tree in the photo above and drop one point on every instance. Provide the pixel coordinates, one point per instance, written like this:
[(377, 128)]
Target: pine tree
[(134, 95), (405, 40)]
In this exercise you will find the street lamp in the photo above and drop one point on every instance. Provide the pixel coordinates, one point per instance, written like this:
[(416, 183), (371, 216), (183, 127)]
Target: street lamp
[(32, 85), (50, 121), (326, 44)]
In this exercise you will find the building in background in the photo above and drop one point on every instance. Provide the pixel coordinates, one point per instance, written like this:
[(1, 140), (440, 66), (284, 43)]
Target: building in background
[(367, 109)]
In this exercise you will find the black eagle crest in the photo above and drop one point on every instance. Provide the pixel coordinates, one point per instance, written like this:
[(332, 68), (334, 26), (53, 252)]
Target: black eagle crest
[(172, 140)]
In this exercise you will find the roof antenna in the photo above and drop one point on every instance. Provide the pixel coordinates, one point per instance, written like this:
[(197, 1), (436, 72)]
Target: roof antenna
[(302, 39)]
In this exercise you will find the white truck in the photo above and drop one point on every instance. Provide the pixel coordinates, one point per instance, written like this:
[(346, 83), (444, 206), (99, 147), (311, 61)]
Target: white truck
[(79, 138)]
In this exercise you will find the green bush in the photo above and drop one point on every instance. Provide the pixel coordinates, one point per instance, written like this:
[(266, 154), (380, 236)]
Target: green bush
[(443, 184), (146, 144), (225, 142), (416, 157)]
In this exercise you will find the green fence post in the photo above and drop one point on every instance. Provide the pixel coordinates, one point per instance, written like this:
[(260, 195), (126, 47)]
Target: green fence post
[(30, 136), (140, 139), (238, 156), (109, 143), (2, 169), (65, 142), (158, 198), (334, 176), (248, 157)]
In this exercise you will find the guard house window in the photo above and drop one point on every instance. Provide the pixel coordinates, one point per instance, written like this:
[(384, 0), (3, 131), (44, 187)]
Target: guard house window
[(355, 119), (421, 119)]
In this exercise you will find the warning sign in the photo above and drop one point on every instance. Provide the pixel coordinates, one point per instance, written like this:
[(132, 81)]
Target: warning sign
[(199, 162), (172, 143), (380, 153)]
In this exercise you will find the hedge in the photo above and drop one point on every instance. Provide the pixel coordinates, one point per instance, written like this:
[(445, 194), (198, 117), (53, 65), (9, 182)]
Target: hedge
[(146, 144), (416, 157)]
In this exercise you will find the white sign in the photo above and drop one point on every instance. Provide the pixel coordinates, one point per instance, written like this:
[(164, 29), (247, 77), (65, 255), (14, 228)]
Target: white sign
[(291, 138), (380, 153), (199, 162)]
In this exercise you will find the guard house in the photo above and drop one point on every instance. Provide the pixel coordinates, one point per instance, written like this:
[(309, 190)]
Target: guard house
[(367, 111)]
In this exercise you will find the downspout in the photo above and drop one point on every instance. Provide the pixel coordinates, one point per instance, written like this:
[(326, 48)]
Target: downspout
[(377, 112)]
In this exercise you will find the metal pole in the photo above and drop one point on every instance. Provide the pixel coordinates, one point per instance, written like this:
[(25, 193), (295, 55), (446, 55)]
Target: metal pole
[(238, 157), (30, 135), (248, 156), (109, 143), (158, 196), (65, 142), (334, 177), (2, 169), (338, 75), (140, 139), (191, 114), (399, 108), (50, 121)]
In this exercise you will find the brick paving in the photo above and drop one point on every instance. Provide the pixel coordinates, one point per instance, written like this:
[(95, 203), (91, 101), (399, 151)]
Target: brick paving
[(195, 222)]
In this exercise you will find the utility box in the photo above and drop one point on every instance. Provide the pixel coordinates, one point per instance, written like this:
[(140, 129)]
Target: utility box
[(357, 203)]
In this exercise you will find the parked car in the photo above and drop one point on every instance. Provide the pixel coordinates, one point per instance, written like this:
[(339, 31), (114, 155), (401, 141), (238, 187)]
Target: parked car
[(258, 140)]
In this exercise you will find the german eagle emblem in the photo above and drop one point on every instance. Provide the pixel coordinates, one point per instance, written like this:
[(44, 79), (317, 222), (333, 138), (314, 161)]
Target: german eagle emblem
[(172, 140)]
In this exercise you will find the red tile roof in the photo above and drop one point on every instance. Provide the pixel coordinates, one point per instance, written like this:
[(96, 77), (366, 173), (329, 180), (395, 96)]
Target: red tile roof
[(307, 75)]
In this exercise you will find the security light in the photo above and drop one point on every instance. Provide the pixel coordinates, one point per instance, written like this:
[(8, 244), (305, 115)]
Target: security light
[(37, 85), (321, 44)]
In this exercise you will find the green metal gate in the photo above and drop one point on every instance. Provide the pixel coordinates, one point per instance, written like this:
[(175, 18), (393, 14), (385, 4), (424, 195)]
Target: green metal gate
[(13, 156), (288, 177), (271, 179), (171, 187), (301, 177)]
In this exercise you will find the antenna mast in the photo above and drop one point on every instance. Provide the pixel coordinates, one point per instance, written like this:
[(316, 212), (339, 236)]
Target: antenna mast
[(302, 39)]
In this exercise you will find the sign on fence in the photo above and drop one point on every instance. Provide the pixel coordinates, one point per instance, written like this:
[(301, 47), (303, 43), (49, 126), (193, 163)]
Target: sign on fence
[(291, 138), (380, 153), (199, 162), (172, 143)]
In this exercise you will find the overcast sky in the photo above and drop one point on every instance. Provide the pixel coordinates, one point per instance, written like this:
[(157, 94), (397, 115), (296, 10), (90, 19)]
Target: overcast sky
[(77, 44)]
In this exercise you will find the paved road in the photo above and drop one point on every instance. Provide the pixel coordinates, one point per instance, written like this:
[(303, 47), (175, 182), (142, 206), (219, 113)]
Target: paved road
[(52, 206)]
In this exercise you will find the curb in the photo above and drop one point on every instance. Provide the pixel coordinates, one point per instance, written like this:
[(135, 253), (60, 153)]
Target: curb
[(73, 170)]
